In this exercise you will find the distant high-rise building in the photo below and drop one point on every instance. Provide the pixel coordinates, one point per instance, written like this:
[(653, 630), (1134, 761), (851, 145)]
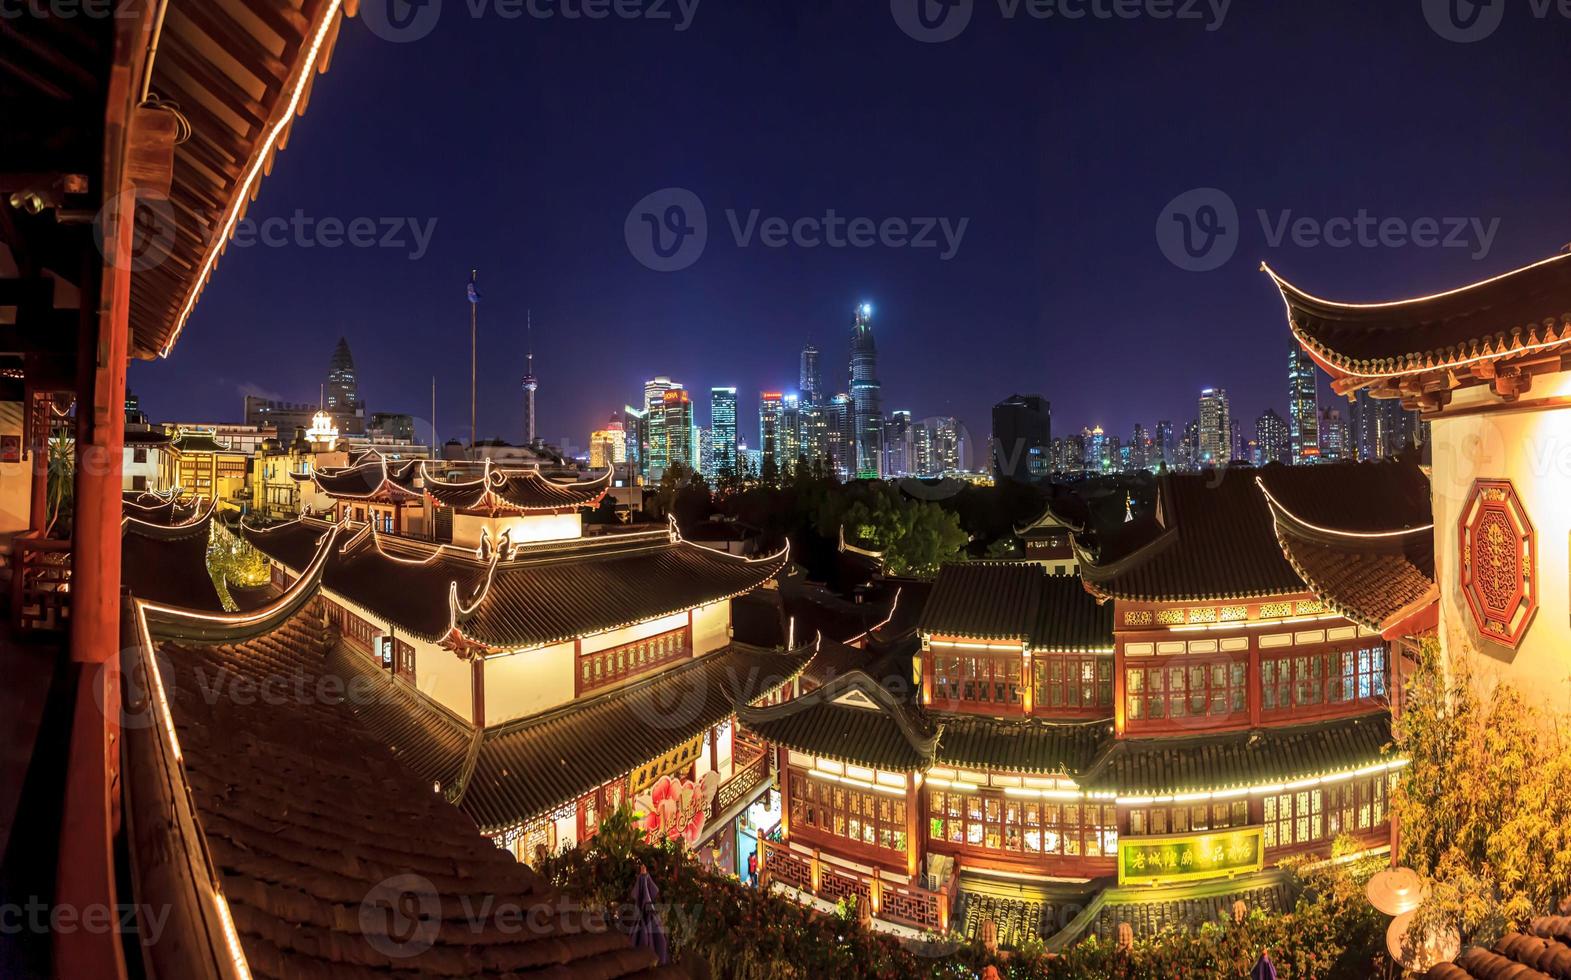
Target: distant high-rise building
[(770, 406), (1140, 449), (1381, 428), (1215, 446), (1164, 449), (1022, 437), (1095, 442), (680, 446), (790, 434), (840, 434), (722, 426), (635, 424), (1333, 436), (811, 382), (342, 391), (389, 427), (897, 444), (815, 432), (923, 461), (866, 396), (654, 405), (531, 385), (608, 446), (706, 451), (948, 450), (1189, 446), (1271, 436), (1303, 405)]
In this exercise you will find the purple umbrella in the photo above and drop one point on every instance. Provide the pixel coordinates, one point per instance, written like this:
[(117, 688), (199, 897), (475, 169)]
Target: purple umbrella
[(1264, 968), (648, 931)]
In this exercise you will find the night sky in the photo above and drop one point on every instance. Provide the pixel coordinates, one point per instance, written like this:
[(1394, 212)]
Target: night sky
[(1061, 141)]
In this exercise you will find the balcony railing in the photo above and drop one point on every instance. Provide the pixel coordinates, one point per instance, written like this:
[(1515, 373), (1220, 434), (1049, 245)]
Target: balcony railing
[(40, 584), (904, 904), (745, 777)]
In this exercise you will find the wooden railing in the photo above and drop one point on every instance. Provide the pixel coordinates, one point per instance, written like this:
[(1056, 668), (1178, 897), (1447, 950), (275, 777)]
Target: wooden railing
[(745, 778), (907, 905), (40, 584)]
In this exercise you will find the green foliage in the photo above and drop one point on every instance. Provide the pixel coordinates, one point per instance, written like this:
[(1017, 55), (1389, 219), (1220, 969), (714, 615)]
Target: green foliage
[(60, 486), (744, 933), (1482, 805), (916, 536)]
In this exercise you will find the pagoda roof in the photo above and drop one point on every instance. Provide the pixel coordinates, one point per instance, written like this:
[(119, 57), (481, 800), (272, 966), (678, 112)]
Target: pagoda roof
[(1064, 509), (1211, 538), (1017, 601), (1525, 313), (529, 767), (515, 489), (853, 719), (165, 561), (506, 598), (200, 442), (300, 809), (1197, 763), (375, 479), (1028, 746), (1361, 535)]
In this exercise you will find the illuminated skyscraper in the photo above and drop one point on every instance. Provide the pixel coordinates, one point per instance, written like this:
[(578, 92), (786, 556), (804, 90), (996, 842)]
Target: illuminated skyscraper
[(1022, 437), (722, 426), (815, 432), (635, 424), (866, 396), (812, 379), (680, 446), (789, 435), (1334, 441), (769, 409), (1271, 436), (342, 391), (1216, 428), (1164, 449), (531, 383), (897, 444), (608, 445), (654, 406), (1303, 405), (840, 434)]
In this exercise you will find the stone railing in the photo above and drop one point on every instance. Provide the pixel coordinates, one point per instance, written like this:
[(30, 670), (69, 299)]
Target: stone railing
[(903, 904)]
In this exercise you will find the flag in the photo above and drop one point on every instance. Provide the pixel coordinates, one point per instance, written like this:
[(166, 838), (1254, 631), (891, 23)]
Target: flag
[(474, 293)]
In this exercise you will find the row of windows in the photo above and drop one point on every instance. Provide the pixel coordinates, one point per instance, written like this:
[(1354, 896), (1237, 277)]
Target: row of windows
[(1014, 826), (1213, 690), (1313, 815), (1059, 681), (1324, 677), (596, 670), (874, 819), (1184, 819)]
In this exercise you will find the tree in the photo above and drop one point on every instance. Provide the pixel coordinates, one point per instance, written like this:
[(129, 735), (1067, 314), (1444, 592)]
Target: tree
[(915, 536)]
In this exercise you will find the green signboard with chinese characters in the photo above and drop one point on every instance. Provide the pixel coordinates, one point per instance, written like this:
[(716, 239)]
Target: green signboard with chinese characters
[(1190, 857)]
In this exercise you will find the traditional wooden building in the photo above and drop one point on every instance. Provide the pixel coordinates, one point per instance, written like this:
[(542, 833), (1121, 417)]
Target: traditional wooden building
[(556, 675), (1486, 365)]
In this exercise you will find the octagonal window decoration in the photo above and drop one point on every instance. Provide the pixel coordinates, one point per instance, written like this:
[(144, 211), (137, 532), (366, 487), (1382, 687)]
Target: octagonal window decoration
[(1499, 562)]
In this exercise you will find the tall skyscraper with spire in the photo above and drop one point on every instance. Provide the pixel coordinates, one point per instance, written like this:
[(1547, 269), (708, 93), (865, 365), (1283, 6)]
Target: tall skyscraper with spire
[(866, 397), (1303, 406), (341, 394), (811, 385), (531, 383)]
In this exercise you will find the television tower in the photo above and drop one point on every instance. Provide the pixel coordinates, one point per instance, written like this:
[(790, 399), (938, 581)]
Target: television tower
[(531, 383)]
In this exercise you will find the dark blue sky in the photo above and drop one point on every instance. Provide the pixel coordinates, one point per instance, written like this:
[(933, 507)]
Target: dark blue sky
[(1060, 141)]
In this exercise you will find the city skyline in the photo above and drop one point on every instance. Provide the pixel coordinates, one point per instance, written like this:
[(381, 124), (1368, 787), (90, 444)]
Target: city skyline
[(1059, 280)]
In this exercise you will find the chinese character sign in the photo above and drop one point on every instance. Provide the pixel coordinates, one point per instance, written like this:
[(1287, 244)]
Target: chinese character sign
[(675, 809), (1154, 860)]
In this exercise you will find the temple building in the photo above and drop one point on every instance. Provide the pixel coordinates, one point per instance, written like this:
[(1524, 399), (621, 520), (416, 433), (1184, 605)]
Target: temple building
[(1141, 741), (551, 676)]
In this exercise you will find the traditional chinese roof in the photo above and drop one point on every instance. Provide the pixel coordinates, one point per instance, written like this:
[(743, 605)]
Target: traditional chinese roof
[(200, 442), (1542, 950), (520, 597), (1017, 601), (500, 489), (1030, 746), (374, 479), (1523, 314), (166, 562), (1064, 510), (854, 719), (529, 767), (240, 74), (1197, 763), (1211, 538), (306, 815), (1361, 535)]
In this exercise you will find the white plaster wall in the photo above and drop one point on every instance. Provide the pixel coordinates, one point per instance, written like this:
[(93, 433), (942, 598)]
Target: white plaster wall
[(521, 529), (527, 683), (1532, 449), (711, 627), (444, 678), (627, 634)]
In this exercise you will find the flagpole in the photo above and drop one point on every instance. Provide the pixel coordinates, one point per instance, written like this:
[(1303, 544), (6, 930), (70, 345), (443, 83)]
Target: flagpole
[(435, 440), (474, 317)]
